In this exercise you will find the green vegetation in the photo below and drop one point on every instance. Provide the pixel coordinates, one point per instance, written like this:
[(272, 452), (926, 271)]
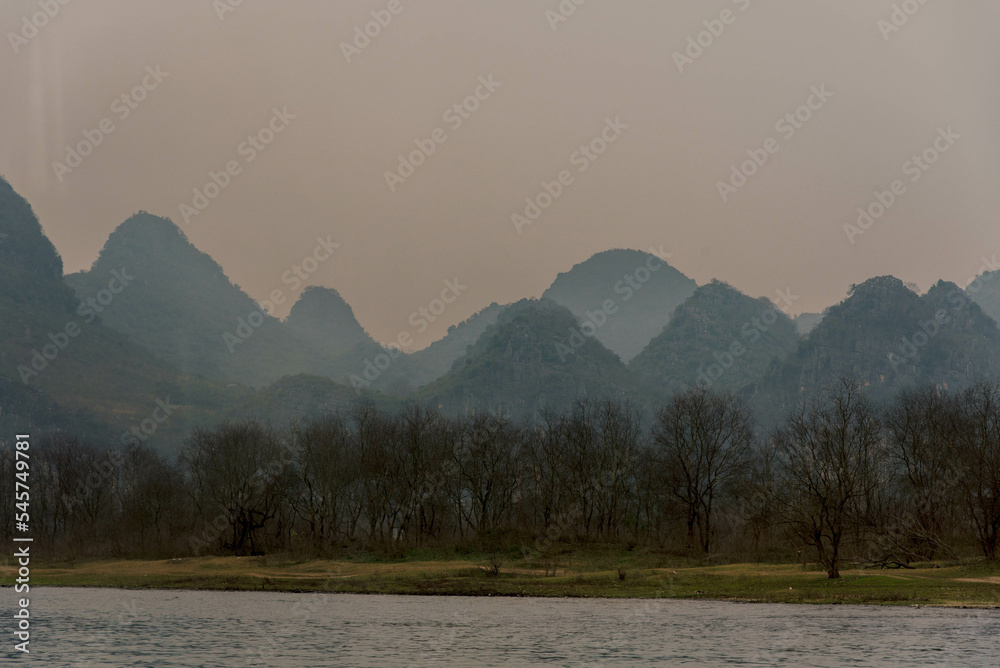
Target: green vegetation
[(92, 381), (584, 573), (534, 358), (988, 293), (644, 291), (437, 359), (891, 339), (181, 330), (181, 304), (841, 482), (718, 338)]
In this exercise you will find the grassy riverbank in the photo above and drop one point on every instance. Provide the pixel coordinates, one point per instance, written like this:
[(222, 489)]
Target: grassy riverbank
[(612, 575)]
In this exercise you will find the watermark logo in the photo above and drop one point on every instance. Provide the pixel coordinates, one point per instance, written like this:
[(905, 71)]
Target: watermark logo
[(420, 320), (144, 430), (582, 159), (295, 278), (698, 44), (455, 116), (223, 7), (249, 149), (787, 126), (751, 332), (626, 288), (562, 13), (30, 26), (60, 341), (122, 107), (958, 301), (900, 16), (915, 168), (363, 35)]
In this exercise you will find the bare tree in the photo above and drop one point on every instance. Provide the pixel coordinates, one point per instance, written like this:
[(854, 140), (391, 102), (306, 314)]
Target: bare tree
[(601, 445), (754, 498), (424, 441), (978, 459), (828, 458), (619, 439), (920, 427), (488, 471), (371, 433), (238, 473), (77, 501), (920, 479), (703, 440), (549, 456), (149, 500), (326, 467)]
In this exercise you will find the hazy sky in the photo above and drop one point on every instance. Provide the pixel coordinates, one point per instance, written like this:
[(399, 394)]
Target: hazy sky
[(655, 185)]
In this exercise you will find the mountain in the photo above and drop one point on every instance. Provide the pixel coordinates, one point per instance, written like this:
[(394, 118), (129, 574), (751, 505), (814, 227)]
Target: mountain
[(28, 410), (31, 269), (437, 359), (322, 317), (534, 357), (718, 338), (60, 367), (890, 338), (155, 340), (985, 291), (805, 323), (626, 295), (341, 349), (180, 306), (302, 396), (965, 348)]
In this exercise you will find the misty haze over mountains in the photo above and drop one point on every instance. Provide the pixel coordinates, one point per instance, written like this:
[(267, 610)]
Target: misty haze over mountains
[(155, 326), (656, 185), (626, 302)]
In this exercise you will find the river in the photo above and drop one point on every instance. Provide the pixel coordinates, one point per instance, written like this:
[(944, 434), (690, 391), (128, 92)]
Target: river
[(107, 627)]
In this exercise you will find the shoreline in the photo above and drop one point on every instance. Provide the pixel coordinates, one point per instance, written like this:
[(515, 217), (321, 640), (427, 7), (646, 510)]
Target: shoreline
[(972, 586), (565, 597)]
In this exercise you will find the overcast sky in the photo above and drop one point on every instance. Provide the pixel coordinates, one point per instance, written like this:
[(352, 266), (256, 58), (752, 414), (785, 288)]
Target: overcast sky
[(656, 185)]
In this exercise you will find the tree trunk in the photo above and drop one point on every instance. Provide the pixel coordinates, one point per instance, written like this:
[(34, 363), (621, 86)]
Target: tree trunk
[(834, 571)]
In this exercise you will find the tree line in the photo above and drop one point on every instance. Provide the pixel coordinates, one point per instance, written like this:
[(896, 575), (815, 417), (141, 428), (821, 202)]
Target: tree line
[(840, 480)]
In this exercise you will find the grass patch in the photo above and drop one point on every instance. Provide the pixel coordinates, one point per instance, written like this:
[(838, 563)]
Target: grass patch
[(578, 573)]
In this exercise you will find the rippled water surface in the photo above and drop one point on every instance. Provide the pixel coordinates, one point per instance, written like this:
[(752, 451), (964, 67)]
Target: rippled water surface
[(103, 627)]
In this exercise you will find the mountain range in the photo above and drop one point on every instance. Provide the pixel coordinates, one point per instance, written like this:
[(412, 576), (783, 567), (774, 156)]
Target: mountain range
[(154, 340)]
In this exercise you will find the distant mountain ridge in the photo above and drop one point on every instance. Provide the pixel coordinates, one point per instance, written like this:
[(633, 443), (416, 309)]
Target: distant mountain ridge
[(156, 322), (720, 339), (323, 316), (185, 310), (890, 338), (805, 323), (437, 359), (181, 306), (532, 359), (985, 291), (627, 296), (60, 367)]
